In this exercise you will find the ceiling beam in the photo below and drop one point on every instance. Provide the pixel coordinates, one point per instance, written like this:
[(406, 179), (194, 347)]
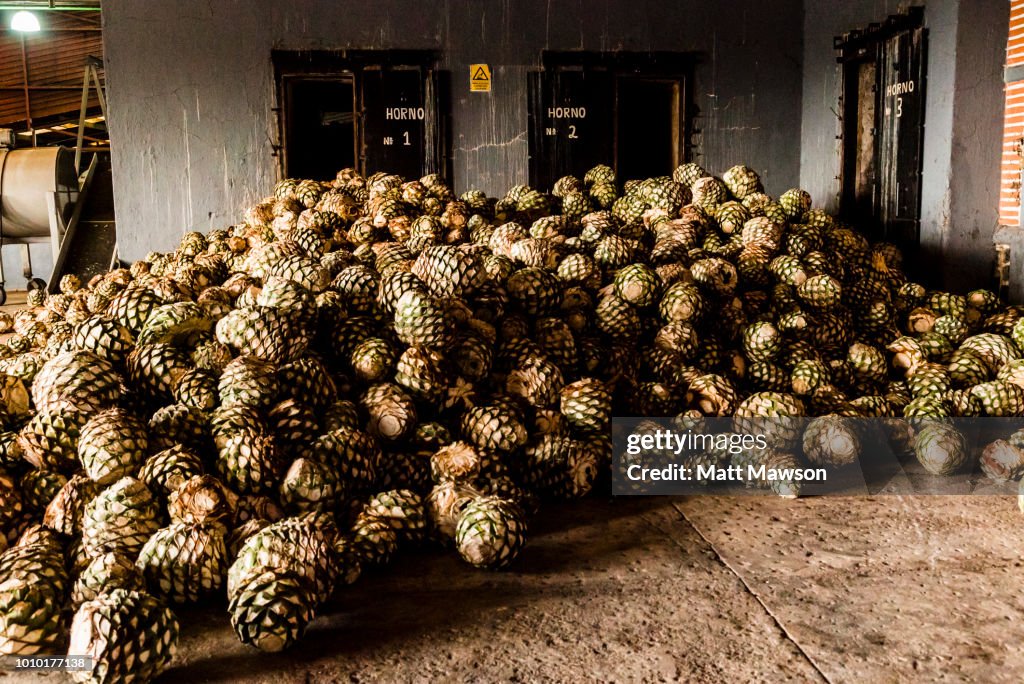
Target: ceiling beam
[(64, 29), (45, 7), (43, 88)]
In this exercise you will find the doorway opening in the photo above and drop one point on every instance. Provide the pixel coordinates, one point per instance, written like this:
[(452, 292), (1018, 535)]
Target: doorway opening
[(321, 126), (648, 128), (860, 172)]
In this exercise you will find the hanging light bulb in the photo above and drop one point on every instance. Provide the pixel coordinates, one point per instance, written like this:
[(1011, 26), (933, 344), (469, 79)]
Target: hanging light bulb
[(25, 22)]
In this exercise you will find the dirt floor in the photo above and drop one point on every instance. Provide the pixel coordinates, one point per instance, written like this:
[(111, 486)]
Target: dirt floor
[(701, 589)]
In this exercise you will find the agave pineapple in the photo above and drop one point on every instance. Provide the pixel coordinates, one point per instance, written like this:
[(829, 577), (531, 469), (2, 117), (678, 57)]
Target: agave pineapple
[(384, 362)]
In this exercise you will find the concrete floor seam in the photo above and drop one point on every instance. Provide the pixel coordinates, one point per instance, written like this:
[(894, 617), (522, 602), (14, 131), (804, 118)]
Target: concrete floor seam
[(778, 623)]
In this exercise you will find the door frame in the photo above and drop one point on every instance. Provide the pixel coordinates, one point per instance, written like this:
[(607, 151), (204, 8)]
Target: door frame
[(331, 64), (666, 66), (855, 48)]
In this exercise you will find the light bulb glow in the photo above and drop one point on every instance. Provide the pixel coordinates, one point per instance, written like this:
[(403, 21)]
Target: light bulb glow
[(25, 22)]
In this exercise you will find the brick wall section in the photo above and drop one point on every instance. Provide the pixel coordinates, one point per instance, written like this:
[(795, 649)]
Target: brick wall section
[(1013, 130)]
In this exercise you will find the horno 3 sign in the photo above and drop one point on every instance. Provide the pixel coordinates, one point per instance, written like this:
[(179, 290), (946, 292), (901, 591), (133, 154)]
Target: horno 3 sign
[(897, 91)]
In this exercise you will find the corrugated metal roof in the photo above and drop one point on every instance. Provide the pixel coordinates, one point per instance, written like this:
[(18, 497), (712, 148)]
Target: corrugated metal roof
[(56, 58)]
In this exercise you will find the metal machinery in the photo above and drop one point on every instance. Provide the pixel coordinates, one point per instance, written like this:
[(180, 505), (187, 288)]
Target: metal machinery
[(43, 192), (39, 191)]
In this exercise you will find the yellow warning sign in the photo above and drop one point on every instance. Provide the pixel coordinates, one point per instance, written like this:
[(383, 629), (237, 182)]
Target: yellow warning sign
[(479, 78)]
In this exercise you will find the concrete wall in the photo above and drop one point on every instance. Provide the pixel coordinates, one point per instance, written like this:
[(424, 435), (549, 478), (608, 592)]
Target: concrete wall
[(963, 126), (191, 88)]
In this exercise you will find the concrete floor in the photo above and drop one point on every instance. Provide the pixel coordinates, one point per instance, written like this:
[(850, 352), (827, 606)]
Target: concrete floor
[(701, 589), (15, 301), (696, 589)]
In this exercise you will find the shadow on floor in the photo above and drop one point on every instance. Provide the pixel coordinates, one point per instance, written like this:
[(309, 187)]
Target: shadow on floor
[(432, 592)]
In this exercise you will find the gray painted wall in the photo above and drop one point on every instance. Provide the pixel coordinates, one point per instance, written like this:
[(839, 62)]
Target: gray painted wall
[(42, 265), (963, 123), (191, 88), (967, 251)]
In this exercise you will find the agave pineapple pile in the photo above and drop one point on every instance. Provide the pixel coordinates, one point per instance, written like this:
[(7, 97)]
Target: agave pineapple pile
[(373, 364)]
